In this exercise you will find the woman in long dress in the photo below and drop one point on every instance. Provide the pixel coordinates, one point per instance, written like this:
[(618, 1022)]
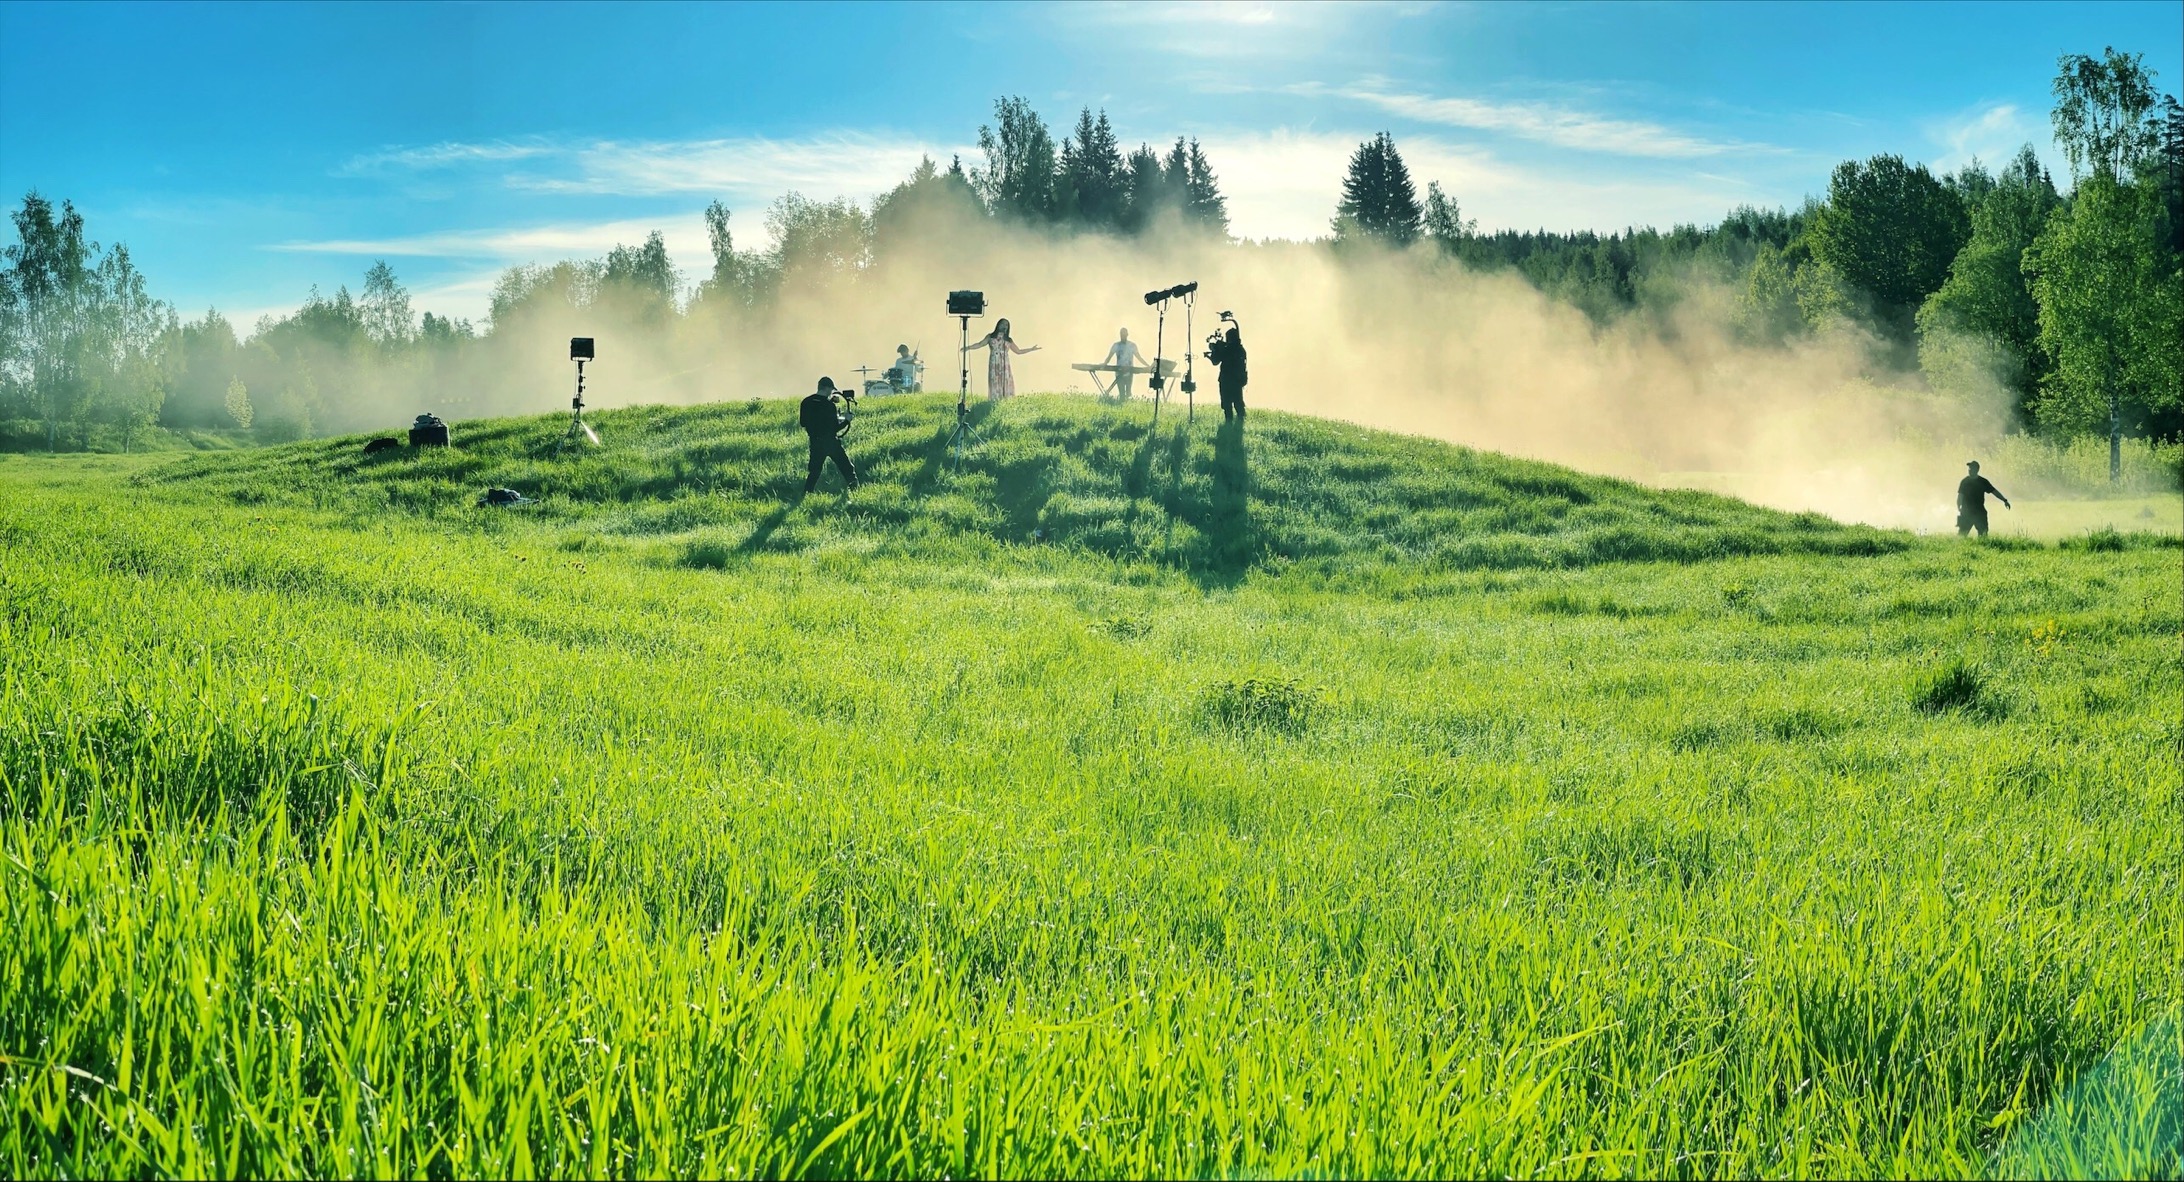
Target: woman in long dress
[(1000, 383)]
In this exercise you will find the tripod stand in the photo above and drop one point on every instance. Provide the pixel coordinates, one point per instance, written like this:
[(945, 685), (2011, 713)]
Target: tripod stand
[(1190, 358), (1188, 293), (961, 438), (579, 431), (1160, 330)]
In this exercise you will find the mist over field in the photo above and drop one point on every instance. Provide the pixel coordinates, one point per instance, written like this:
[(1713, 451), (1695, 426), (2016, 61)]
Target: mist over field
[(1406, 340), (1845, 357)]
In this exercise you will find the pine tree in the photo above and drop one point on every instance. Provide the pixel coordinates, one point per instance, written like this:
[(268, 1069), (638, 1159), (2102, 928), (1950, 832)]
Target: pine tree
[(1378, 199), (1175, 169), (1092, 175), (1148, 190), (1202, 200)]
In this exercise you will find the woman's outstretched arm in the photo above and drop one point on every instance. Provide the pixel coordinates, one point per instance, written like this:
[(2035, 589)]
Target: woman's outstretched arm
[(1014, 348)]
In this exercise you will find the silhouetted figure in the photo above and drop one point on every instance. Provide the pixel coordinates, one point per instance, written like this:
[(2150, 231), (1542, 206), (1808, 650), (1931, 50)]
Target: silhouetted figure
[(1123, 355), (1228, 353), (1972, 501), (823, 424)]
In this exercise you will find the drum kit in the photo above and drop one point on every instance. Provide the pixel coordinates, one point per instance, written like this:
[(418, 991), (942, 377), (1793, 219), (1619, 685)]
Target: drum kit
[(899, 378)]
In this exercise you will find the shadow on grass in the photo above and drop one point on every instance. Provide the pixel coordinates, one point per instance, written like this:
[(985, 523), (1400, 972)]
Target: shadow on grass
[(938, 455), (763, 532)]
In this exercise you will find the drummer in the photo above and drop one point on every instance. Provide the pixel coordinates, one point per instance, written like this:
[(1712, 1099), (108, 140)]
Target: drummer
[(905, 372), (1123, 355)]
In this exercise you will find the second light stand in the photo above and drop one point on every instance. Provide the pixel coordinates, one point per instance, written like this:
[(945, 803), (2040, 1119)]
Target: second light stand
[(1190, 358), (1160, 328)]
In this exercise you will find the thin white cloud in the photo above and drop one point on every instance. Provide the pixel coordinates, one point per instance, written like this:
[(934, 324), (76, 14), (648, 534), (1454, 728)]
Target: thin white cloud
[(1990, 133), (527, 243), (442, 155), (843, 164), (1562, 127), (482, 254), (839, 165)]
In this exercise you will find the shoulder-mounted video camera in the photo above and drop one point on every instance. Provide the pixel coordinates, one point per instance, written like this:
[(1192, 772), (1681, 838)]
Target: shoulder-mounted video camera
[(1217, 341)]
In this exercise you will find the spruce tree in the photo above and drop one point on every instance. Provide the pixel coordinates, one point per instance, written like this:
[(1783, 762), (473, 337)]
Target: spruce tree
[(1093, 174), (1202, 200), (1378, 199), (1147, 185)]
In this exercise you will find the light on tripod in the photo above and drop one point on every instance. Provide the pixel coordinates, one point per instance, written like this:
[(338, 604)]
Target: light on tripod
[(963, 305), (580, 351), (1188, 293)]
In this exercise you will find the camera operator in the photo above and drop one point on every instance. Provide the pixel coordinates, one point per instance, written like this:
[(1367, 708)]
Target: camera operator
[(824, 424), (1227, 351)]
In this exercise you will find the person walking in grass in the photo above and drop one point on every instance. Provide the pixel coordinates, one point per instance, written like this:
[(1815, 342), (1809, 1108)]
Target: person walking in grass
[(1972, 494), (823, 426), (1000, 383)]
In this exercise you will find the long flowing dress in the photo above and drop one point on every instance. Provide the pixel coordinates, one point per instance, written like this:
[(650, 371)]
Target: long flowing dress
[(1000, 383)]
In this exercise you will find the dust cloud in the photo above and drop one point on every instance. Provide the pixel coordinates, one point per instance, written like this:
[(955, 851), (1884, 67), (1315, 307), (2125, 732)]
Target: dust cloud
[(1408, 341)]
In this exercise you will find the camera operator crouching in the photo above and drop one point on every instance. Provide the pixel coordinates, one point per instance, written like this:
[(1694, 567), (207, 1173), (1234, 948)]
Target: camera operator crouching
[(825, 422)]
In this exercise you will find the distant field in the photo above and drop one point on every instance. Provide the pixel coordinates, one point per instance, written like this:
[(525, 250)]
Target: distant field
[(1310, 801), (2052, 520)]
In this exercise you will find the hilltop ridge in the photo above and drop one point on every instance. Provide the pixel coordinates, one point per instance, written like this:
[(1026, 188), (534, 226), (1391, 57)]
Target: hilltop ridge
[(1288, 490)]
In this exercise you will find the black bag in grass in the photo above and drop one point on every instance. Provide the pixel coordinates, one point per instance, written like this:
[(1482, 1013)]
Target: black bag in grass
[(428, 431)]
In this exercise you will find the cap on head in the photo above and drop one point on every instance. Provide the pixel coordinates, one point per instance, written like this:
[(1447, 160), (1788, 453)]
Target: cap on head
[(1972, 464), (904, 349), (826, 384)]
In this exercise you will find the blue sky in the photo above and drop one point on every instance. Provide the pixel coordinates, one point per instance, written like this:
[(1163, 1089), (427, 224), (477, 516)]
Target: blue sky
[(246, 152)]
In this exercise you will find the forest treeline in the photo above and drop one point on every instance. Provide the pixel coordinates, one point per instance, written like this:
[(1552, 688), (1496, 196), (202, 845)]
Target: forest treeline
[(2070, 297)]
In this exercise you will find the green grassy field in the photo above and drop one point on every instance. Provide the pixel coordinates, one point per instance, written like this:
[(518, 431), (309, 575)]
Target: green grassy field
[(1310, 801)]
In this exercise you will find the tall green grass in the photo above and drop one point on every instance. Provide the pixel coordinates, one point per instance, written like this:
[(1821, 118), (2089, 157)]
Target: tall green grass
[(695, 828), (2080, 466)]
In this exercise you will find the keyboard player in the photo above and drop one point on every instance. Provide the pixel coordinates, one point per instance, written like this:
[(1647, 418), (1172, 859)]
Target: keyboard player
[(1123, 355)]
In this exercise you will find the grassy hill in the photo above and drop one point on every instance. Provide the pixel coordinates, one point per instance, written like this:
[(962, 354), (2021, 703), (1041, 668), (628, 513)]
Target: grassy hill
[(1310, 801), (1070, 471)]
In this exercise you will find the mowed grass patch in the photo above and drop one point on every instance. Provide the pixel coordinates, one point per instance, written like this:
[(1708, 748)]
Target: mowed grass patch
[(869, 836)]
